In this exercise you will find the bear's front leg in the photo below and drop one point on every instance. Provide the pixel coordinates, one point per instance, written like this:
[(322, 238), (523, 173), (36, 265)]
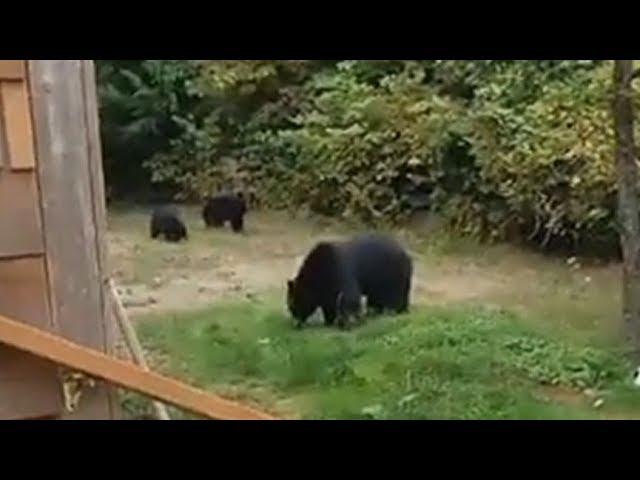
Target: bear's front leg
[(329, 314)]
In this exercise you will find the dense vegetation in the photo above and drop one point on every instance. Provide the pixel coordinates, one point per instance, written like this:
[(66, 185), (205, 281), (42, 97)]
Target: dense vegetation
[(499, 149)]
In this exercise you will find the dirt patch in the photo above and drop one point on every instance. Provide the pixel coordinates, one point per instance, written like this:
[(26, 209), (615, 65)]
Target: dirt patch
[(447, 284), (216, 264), (563, 395), (587, 398), (242, 275)]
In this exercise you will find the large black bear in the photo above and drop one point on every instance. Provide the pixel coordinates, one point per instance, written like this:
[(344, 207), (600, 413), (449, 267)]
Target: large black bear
[(335, 275), (166, 220), (225, 208)]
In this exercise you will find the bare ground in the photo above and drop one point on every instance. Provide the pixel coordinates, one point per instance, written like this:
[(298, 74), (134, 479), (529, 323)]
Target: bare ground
[(156, 276)]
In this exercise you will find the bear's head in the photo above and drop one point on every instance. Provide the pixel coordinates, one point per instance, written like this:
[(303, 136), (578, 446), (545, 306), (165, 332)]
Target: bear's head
[(300, 302)]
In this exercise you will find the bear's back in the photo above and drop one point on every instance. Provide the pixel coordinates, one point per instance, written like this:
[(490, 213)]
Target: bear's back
[(227, 203), (372, 257)]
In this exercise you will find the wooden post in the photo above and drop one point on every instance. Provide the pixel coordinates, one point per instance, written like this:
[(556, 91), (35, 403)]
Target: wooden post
[(69, 166), (53, 225)]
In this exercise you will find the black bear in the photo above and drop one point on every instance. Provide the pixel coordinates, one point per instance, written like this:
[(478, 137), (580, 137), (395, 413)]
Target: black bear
[(335, 275), (166, 220), (225, 208)]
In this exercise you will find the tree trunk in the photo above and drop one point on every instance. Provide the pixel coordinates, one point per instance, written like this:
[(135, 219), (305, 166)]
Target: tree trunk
[(627, 171)]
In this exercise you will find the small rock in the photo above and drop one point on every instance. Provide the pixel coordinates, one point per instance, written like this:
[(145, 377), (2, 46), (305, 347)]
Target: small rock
[(587, 279), (573, 263), (251, 296), (152, 300), (372, 410), (598, 403), (135, 302), (156, 282), (590, 392)]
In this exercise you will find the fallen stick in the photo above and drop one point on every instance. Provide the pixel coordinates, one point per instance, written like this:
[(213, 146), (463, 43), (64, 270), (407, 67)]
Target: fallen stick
[(133, 343)]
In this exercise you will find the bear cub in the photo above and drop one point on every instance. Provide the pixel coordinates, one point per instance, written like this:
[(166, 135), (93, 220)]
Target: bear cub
[(224, 208), (166, 220)]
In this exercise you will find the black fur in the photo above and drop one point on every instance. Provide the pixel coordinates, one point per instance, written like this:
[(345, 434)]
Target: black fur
[(225, 208), (335, 275), (166, 220)]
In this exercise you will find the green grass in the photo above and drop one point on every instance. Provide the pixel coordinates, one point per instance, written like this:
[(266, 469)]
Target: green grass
[(468, 362)]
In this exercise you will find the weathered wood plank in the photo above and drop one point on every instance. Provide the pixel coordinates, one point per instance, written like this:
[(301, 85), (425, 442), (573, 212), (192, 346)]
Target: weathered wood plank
[(28, 384), (17, 125), (66, 184), (12, 69), (20, 223), (133, 377), (4, 153), (92, 127), (96, 178)]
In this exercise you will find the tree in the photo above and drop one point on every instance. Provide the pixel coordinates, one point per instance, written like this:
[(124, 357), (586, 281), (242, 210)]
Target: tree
[(627, 172), (139, 100)]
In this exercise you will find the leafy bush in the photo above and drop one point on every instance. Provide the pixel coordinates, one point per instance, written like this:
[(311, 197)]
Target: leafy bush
[(500, 149), (139, 103), (550, 160)]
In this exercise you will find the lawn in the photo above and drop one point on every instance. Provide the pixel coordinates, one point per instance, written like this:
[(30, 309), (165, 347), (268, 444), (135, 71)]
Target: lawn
[(468, 362)]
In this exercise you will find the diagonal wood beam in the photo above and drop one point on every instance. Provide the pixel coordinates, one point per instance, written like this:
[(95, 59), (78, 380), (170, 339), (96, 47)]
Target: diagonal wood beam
[(97, 364)]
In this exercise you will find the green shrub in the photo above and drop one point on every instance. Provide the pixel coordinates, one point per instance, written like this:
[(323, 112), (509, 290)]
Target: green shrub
[(500, 149)]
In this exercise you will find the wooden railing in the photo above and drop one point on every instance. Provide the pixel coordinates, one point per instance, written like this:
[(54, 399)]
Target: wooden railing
[(124, 374)]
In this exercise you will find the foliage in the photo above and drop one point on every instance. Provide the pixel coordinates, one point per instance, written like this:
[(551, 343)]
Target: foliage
[(500, 149), (140, 106), (548, 158)]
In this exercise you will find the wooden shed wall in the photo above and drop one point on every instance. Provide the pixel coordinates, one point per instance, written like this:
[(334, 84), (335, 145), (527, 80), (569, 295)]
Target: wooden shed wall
[(52, 227)]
